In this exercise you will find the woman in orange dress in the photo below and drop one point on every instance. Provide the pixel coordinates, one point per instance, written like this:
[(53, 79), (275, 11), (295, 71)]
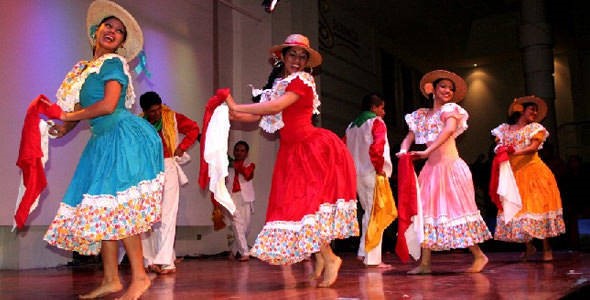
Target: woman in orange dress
[(541, 215)]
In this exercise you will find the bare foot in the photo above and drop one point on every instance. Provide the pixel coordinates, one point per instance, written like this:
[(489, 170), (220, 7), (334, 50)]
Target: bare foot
[(478, 264), (331, 273), (547, 255), (420, 270), (244, 258), (154, 268), (167, 271), (318, 268), (136, 289), (382, 266), (104, 289)]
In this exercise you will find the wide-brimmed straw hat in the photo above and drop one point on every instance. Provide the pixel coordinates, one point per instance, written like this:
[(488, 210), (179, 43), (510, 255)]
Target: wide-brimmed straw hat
[(99, 10), (460, 85), (298, 40), (517, 105)]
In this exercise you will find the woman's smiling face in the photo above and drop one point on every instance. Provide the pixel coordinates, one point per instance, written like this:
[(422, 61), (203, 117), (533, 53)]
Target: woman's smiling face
[(530, 113), (110, 35), (295, 59), (444, 91)]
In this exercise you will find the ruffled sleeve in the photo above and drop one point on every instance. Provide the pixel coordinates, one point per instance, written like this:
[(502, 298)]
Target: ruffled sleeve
[(112, 69), (302, 83), (536, 131), (115, 67), (298, 87), (498, 131), (109, 67), (453, 110)]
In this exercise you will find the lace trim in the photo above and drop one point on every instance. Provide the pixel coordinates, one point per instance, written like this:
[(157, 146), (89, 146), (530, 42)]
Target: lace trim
[(309, 81), (272, 123), (106, 217), (538, 217), (446, 221), (68, 94), (134, 192), (289, 242), (528, 226), (428, 128), (523, 135), (444, 237)]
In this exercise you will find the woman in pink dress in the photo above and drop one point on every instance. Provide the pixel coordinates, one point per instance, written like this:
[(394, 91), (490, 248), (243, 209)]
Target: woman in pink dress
[(313, 193), (451, 217)]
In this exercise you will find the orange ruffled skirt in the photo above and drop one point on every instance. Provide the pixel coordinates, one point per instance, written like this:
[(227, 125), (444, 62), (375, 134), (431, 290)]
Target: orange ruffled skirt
[(541, 215)]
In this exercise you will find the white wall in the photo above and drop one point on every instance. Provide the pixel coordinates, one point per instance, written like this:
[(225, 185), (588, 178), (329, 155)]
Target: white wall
[(178, 46), (48, 37)]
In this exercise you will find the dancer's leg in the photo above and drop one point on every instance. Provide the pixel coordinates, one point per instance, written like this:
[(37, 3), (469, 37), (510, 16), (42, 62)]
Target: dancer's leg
[(332, 265), (480, 260), (111, 283), (530, 250), (547, 252), (140, 282), (425, 263), (319, 266)]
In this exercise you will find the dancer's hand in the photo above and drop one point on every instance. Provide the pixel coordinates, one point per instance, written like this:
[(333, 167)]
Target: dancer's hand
[(178, 152), (58, 130), (230, 102), (420, 154), (400, 153), (508, 149)]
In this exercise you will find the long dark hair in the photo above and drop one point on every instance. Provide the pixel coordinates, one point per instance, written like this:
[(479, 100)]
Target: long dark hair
[(277, 71)]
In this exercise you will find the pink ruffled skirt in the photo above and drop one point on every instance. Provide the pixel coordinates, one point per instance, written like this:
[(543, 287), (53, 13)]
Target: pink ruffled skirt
[(451, 217)]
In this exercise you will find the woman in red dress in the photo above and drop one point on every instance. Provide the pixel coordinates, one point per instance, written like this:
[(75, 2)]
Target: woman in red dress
[(313, 193)]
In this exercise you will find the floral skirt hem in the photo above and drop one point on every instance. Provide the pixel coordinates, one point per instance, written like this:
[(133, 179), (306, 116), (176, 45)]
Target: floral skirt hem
[(289, 242), (460, 233), (527, 226), (82, 228)]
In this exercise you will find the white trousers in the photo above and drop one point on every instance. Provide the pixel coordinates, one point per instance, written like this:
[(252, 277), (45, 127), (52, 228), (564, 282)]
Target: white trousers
[(240, 224), (158, 244), (366, 188)]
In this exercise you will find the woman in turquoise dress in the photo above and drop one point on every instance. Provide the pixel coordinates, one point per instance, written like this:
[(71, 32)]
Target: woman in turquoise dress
[(116, 190)]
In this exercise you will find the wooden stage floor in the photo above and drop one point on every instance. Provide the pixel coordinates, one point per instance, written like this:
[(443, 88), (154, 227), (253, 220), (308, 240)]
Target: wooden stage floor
[(505, 277)]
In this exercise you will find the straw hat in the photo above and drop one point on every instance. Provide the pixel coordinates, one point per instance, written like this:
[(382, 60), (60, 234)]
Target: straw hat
[(517, 105), (298, 40), (460, 84), (101, 9)]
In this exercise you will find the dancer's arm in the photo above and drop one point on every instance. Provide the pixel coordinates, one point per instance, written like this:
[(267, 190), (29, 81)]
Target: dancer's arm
[(406, 143), (450, 127), (59, 130), (263, 108), (112, 92)]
